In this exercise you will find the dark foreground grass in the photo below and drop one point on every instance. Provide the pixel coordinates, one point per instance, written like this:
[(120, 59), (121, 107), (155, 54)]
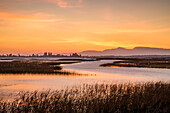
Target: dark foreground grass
[(104, 98), (34, 67)]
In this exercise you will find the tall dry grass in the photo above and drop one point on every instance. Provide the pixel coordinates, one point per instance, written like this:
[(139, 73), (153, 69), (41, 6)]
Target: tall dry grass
[(98, 98)]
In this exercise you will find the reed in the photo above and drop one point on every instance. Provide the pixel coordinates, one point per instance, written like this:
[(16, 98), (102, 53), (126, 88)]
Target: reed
[(99, 98)]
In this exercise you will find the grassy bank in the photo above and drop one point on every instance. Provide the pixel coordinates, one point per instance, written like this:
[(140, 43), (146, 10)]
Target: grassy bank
[(145, 63), (104, 98), (33, 67)]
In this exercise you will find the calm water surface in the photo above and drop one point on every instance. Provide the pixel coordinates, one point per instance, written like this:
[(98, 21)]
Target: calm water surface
[(12, 84)]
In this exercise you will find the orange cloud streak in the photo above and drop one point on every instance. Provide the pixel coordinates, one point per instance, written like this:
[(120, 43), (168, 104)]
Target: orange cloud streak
[(38, 17), (15, 16), (66, 3), (62, 3)]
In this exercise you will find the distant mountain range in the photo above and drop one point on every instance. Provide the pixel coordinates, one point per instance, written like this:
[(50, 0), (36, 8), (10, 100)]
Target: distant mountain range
[(127, 52)]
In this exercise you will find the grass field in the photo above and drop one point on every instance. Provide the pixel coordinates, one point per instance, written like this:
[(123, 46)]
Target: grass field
[(98, 98)]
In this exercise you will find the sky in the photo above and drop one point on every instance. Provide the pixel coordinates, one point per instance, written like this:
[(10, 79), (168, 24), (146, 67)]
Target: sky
[(64, 26)]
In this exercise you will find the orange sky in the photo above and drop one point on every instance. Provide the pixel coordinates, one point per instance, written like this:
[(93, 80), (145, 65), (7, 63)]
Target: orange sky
[(60, 26)]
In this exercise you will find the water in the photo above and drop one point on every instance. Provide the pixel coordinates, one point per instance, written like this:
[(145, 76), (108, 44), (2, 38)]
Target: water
[(12, 84), (154, 74)]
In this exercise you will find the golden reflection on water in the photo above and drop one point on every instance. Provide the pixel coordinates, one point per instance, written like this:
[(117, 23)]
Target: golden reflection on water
[(12, 84)]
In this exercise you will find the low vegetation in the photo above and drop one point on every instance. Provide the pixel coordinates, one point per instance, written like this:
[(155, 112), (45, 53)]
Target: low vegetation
[(98, 98), (145, 63), (33, 67)]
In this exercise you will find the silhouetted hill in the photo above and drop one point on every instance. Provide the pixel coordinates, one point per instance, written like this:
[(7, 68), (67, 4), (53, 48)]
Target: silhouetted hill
[(126, 52)]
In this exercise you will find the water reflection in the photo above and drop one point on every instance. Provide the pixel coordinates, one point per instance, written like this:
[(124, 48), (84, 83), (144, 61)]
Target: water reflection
[(12, 84), (93, 67)]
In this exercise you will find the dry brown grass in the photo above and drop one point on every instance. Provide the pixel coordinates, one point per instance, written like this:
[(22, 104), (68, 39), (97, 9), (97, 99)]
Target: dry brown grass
[(98, 98), (140, 63), (33, 67)]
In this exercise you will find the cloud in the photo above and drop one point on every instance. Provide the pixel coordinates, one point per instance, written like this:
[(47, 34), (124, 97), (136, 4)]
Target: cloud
[(144, 31), (60, 3), (75, 40), (98, 43), (67, 3), (64, 41), (112, 44), (37, 17), (118, 31)]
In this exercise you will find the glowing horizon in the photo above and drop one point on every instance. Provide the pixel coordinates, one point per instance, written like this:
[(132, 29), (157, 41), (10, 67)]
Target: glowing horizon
[(65, 26)]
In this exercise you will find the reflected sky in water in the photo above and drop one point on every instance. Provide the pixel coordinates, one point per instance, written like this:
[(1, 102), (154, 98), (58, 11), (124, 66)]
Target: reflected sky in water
[(12, 84)]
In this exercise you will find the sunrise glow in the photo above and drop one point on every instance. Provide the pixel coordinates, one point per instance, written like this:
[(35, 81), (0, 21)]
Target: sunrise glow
[(63, 26)]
